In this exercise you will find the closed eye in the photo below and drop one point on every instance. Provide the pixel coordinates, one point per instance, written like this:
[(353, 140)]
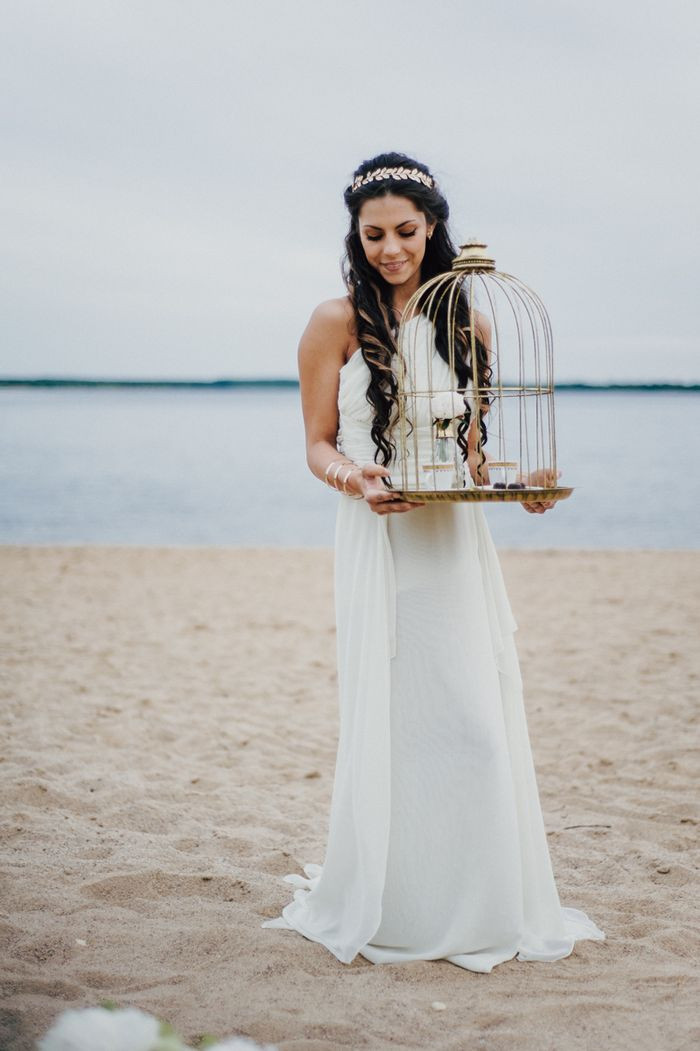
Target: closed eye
[(410, 233)]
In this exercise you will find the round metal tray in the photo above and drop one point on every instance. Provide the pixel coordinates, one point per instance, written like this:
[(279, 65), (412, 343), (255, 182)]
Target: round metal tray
[(476, 494)]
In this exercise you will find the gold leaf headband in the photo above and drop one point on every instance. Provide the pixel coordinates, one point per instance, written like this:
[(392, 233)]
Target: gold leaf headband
[(393, 173)]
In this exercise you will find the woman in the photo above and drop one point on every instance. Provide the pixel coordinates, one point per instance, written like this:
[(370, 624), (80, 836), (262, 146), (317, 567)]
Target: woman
[(436, 845)]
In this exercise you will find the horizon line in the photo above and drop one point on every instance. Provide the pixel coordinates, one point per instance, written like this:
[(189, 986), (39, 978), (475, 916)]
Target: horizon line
[(287, 382)]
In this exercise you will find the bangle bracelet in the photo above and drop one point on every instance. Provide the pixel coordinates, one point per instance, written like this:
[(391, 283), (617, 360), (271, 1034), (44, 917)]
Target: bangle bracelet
[(354, 496), (331, 464), (344, 481), (338, 483), (341, 464)]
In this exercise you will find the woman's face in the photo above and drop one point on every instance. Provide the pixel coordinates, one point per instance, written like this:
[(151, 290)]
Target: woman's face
[(393, 233)]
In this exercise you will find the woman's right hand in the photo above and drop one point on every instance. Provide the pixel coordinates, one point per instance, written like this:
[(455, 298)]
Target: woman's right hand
[(382, 501)]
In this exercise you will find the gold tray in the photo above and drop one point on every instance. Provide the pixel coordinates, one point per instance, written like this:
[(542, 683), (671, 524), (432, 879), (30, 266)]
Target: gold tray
[(476, 494)]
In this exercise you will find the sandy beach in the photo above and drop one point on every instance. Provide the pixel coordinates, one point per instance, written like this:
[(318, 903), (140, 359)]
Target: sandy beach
[(170, 732)]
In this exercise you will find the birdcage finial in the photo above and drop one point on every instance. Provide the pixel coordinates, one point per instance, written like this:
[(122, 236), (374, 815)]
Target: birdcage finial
[(473, 256)]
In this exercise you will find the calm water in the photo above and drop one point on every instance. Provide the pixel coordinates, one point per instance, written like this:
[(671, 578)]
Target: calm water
[(163, 466)]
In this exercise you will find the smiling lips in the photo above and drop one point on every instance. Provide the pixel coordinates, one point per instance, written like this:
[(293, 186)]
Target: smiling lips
[(393, 267)]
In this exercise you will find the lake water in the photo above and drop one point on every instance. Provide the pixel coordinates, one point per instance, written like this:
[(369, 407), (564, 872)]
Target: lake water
[(189, 466)]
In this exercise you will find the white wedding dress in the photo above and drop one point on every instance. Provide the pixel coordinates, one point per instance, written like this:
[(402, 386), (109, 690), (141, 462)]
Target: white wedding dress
[(436, 845)]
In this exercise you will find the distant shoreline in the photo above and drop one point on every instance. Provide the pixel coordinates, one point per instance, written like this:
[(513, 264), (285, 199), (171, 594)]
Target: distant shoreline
[(280, 383)]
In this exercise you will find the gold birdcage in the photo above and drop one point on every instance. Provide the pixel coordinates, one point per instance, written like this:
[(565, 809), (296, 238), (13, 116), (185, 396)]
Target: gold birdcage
[(515, 402)]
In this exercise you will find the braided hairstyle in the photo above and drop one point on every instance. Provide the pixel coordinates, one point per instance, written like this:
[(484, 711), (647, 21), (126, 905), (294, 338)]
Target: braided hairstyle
[(371, 298)]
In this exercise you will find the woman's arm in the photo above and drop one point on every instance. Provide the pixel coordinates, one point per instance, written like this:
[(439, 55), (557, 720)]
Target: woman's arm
[(322, 352), (323, 349)]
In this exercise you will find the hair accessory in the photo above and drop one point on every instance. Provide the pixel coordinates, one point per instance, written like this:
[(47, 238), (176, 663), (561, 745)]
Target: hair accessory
[(393, 173)]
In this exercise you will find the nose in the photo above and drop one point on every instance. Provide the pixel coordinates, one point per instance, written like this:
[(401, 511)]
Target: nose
[(392, 248)]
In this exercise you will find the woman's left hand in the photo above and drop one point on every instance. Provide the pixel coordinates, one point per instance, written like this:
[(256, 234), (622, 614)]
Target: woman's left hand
[(545, 477)]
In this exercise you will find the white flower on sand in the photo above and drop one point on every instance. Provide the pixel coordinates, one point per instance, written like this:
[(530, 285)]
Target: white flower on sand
[(97, 1029), (447, 405), (126, 1029)]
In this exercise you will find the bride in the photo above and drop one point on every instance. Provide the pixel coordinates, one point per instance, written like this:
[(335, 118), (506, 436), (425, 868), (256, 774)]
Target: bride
[(436, 845)]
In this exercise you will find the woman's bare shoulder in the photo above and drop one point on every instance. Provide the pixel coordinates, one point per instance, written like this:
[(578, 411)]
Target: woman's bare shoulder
[(337, 314), (331, 325)]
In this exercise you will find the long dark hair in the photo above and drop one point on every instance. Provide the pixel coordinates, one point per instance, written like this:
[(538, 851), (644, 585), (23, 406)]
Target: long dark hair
[(371, 297)]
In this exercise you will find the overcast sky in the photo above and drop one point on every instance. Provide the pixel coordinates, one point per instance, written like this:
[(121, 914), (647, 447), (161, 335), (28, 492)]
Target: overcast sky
[(173, 171)]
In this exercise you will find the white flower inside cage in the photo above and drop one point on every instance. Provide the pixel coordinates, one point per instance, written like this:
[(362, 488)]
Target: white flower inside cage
[(447, 405)]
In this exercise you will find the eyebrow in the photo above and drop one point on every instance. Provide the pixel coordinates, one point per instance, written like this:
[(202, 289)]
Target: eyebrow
[(370, 226)]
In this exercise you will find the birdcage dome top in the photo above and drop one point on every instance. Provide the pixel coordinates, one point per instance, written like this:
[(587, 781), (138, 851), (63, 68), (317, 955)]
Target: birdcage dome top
[(472, 256)]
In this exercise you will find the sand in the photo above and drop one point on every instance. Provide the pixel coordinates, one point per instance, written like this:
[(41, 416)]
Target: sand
[(172, 721)]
